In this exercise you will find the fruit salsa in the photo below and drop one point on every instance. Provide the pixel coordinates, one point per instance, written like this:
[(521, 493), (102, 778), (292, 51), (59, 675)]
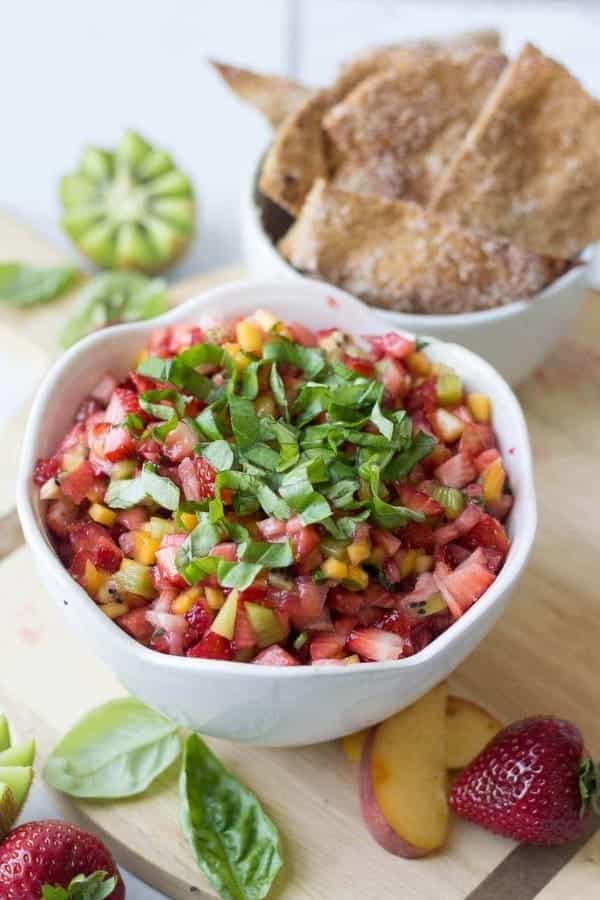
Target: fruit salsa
[(260, 492)]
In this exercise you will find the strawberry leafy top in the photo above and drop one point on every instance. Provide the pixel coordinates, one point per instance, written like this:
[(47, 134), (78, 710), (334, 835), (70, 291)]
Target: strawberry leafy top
[(97, 886)]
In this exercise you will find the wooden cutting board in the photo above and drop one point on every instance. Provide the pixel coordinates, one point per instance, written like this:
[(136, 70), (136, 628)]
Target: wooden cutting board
[(541, 658)]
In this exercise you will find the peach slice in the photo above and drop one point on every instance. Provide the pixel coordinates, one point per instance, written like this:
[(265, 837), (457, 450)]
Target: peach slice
[(469, 728), (403, 778)]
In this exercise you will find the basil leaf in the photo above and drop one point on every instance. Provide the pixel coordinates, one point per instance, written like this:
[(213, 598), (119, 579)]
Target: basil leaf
[(235, 843), (274, 555), (249, 382), (271, 503), (207, 423), (23, 285), (244, 421), (115, 751), (343, 529), (199, 569), (341, 493), (405, 462), (262, 455), (133, 491), (161, 431), (197, 544), (278, 389), (174, 371), (150, 403), (219, 454), (250, 484), (114, 297), (285, 351), (385, 514), (202, 355), (381, 422), (238, 575), (133, 424)]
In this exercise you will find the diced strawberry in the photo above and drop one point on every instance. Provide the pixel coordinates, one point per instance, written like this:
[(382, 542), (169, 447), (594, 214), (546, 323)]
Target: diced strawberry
[(359, 364), (76, 435), (165, 561), (417, 536), (244, 636), (127, 543), (122, 403), (345, 624), (305, 541), (104, 389), (159, 642), (391, 571), (132, 519), (376, 595), (190, 482), (309, 563), (462, 587), (302, 335), (118, 444), (395, 378), (94, 538), (489, 533), (344, 601), (88, 407), (150, 450), (476, 438), (438, 455), (271, 529), (417, 501), (375, 644), (321, 622), (170, 626), (60, 514), (45, 469), (135, 622), (312, 596), (457, 471), (493, 559), (226, 550), (386, 540), (484, 459), (500, 508), (451, 554), (462, 413), (180, 442), (468, 518), (206, 478), (391, 344), (212, 646), (423, 397), (274, 656), (327, 645), (255, 593), (398, 621), (142, 383), (184, 336), (199, 619), (419, 638)]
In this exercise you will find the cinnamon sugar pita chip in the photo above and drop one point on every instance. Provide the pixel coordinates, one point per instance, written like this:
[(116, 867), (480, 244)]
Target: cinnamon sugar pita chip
[(275, 97), (405, 123), (529, 168), (396, 255)]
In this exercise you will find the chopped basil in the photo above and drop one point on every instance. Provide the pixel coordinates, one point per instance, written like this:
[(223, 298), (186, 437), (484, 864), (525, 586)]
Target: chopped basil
[(278, 389), (249, 381), (148, 485), (150, 403), (244, 421), (405, 461), (285, 351), (175, 371), (207, 423), (262, 455), (385, 514), (237, 575), (219, 454), (343, 529), (269, 555), (381, 421)]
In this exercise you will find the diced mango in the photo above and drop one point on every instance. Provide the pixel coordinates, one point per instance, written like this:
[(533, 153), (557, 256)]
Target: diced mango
[(418, 364), (265, 319), (358, 578), (480, 407), (407, 565), (125, 468), (188, 520), (184, 601), (114, 610), (358, 552), (352, 659), (93, 578), (334, 568), (224, 623), (249, 336), (102, 514), (145, 547), (50, 490), (492, 481), (214, 597), (423, 563)]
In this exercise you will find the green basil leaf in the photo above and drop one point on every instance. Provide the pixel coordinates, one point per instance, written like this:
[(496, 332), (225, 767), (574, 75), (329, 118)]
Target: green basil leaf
[(405, 462), (235, 843), (133, 491), (115, 751), (272, 504), (24, 285), (199, 569), (249, 381), (274, 555), (381, 421), (219, 454), (207, 422), (198, 543), (114, 297), (341, 493), (284, 351), (133, 424), (278, 389), (343, 529), (150, 403), (238, 575), (262, 455), (385, 514), (161, 431), (174, 371), (244, 421), (203, 355)]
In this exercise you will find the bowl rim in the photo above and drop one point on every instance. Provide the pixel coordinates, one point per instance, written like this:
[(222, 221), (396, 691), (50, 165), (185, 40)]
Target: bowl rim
[(189, 311), (417, 322)]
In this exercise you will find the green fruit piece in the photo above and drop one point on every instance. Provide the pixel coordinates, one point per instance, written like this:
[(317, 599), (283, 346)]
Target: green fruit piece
[(267, 627), (4, 733), (130, 210), (23, 755), (224, 624), (8, 810), (19, 779), (429, 607)]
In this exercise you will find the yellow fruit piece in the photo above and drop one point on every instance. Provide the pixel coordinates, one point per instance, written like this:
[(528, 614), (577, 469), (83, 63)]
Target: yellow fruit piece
[(145, 547), (73, 458), (231, 348), (93, 578), (468, 730), (189, 521), (480, 407), (125, 468), (358, 577), (407, 566), (418, 364), (265, 319), (102, 514), (249, 336), (423, 563), (141, 357), (334, 568), (353, 744), (214, 597), (352, 659), (184, 601), (358, 552), (224, 623), (492, 481), (114, 610), (50, 490), (264, 406)]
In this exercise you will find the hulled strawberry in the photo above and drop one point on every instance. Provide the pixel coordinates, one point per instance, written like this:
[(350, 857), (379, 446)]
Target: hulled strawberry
[(532, 783), (39, 856)]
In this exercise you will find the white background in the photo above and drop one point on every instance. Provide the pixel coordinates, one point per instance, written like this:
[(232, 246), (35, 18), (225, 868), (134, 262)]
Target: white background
[(74, 72)]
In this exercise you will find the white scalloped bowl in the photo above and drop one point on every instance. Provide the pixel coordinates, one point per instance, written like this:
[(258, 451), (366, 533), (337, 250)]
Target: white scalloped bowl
[(266, 705)]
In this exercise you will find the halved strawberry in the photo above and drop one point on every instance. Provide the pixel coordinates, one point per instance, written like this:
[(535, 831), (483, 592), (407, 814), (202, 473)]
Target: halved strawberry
[(212, 646), (327, 645), (275, 656), (375, 644), (77, 483), (180, 442), (417, 501), (135, 623), (457, 471), (118, 444)]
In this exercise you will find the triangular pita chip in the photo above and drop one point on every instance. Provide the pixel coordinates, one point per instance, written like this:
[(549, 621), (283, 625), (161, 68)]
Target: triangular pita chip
[(529, 168), (396, 255), (411, 118), (275, 97)]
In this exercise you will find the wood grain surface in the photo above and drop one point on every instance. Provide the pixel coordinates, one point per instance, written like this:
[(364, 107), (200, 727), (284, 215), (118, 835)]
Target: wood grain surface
[(541, 657)]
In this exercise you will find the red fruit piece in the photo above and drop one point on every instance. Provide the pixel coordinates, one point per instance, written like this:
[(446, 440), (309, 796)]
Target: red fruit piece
[(359, 365), (476, 438), (45, 469), (531, 783), (417, 501), (77, 483), (118, 444), (180, 442), (137, 625), (468, 518), (375, 644), (122, 403), (423, 397), (53, 853), (462, 587), (96, 540), (212, 646), (457, 471), (487, 533), (275, 656), (417, 536), (391, 344), (327, 645), (60, 515)]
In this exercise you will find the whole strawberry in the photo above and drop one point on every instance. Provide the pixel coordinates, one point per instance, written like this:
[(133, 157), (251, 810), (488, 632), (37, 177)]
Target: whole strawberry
[(51, 859), (531, 783)]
